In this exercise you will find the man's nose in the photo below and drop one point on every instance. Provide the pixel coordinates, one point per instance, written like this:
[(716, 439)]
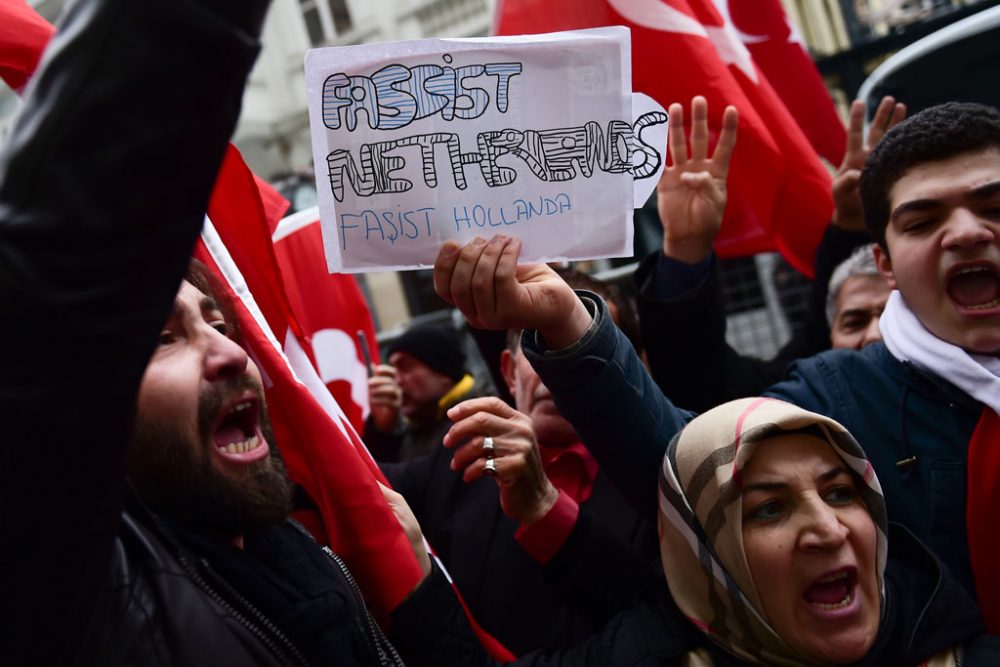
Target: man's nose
[(223, 356), (966, 230)]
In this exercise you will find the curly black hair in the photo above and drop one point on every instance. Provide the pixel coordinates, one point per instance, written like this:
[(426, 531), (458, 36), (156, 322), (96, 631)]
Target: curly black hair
[(937, 133)]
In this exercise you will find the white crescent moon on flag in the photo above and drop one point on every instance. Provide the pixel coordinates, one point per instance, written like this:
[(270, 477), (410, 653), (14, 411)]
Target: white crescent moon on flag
[(337, 359), (794, 37), (658, 15), (727, 18)]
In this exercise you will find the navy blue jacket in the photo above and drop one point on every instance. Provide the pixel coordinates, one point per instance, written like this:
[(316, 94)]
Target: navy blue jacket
[(692, 363), (894, 410)]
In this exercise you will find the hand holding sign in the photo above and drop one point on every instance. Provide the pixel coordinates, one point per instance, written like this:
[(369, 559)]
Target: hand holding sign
[(536, 137), (485, 282)]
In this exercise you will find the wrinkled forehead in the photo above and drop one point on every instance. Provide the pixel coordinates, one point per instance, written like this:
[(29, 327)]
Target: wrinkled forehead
[(859, 296), (785, 455), (189, 291), (192, 299)]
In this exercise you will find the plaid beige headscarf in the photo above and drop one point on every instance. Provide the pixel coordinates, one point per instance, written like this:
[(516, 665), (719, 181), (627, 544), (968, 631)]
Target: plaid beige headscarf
[(701, 532)]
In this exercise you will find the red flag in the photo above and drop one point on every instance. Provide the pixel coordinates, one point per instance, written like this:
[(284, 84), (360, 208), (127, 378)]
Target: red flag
[(321, 448), (321, 456), (238, 211), (779, 192), (778, 51), (330, 309), (290, 281), (23, 37)]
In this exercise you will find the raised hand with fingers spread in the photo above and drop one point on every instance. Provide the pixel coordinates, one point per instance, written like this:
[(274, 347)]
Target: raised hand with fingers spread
[(846, 196), (691, 194)]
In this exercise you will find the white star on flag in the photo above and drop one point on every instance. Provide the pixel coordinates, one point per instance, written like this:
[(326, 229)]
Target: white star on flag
[(659, 15)]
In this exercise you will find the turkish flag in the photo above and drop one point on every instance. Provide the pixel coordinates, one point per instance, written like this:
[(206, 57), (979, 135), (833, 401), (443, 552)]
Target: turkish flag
[(290, 281), (778, 51), (779, 191), (23, 37), (331, 310), (321, 452), (321, 448)]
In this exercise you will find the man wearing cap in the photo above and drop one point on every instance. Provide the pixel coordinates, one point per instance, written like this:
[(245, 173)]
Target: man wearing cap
[(409, 397)]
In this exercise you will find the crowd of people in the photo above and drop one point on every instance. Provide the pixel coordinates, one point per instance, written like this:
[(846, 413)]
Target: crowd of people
[(826, 507)]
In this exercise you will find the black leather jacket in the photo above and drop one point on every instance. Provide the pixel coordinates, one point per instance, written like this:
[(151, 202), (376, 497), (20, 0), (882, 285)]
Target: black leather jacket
[(159, 595), (168, 605)]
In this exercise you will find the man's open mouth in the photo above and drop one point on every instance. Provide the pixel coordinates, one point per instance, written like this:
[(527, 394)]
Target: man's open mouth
[(833, 591), (975, 287), (238, 436)]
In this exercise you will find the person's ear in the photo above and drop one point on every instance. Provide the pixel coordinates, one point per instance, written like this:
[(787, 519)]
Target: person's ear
[(884, 264), (508, 371)]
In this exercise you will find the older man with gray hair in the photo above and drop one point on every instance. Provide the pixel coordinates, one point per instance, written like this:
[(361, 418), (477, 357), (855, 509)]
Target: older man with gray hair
[(855, 300)]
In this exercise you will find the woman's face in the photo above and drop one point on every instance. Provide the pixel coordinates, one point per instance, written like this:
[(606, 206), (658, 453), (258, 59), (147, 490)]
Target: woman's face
[(810, 544)]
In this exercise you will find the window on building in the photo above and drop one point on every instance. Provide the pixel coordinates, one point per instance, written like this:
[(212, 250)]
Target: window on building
[(341, 16), (314, 25), (325, 19)]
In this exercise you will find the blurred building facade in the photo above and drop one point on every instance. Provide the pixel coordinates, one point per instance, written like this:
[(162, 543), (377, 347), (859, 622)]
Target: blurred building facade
[(273, 133)]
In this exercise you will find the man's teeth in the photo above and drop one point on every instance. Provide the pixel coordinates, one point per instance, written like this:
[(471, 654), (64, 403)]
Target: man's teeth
[(986, 306), (247, 445), (971, 269), (242, 406), (832, 577)]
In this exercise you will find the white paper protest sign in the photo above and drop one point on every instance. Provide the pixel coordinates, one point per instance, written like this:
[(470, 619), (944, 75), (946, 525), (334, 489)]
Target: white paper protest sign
[(534, 136)]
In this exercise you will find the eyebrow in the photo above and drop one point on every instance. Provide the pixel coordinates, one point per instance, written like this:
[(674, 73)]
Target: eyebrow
[(914, 205), (208, 304), (982, 192), (852, 312), (830, 474)]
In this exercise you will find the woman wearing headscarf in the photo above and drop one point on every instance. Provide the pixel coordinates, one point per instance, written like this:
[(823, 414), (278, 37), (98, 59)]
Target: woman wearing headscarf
[(774, 543)]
